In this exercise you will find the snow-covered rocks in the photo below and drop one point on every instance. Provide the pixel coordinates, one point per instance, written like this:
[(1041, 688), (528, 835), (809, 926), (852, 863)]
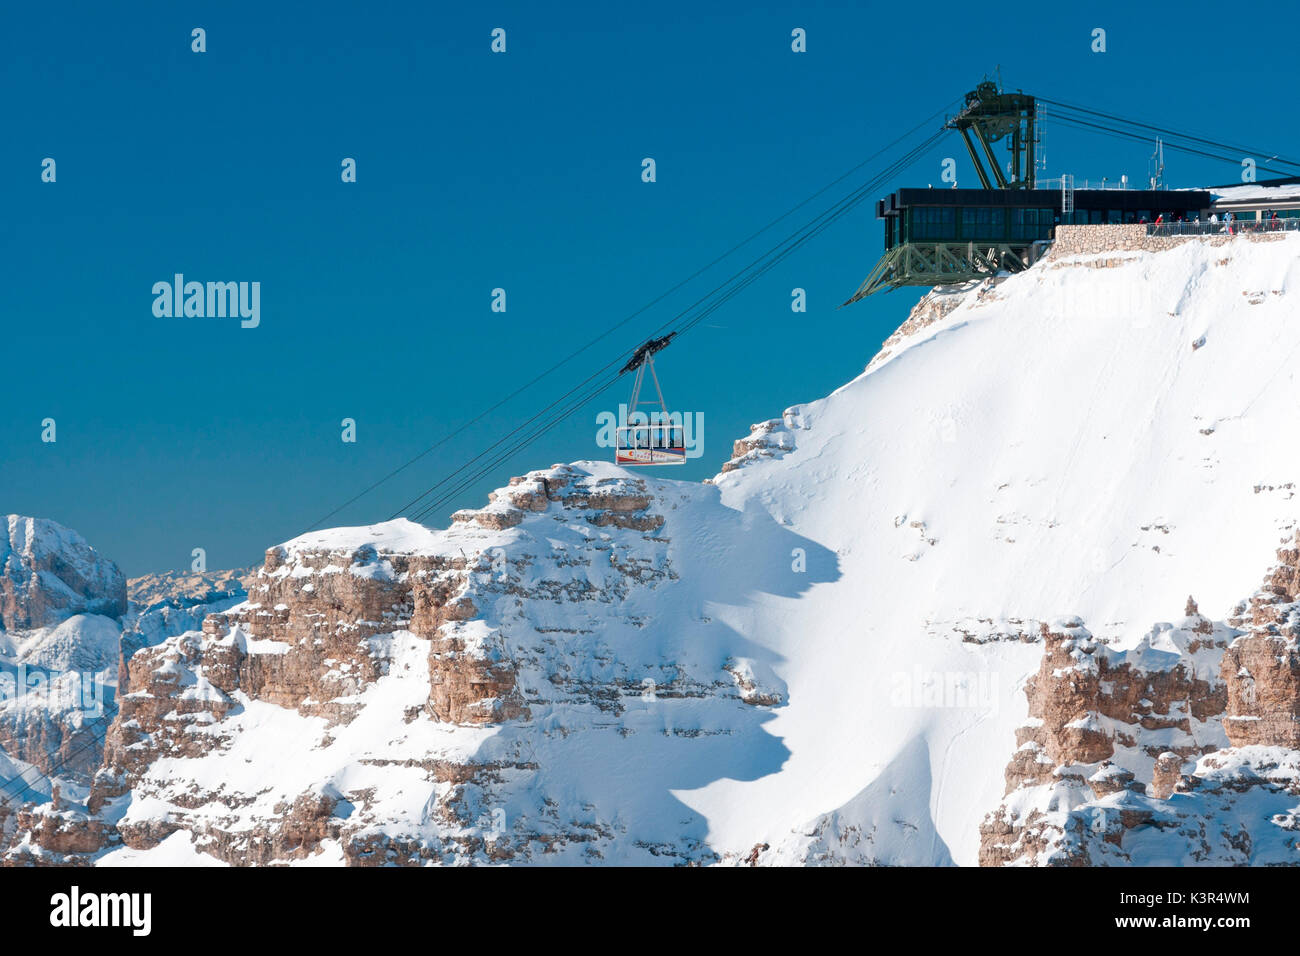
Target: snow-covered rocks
[(1104, 722), (1181, 741), (48, 573), (65, 608), (771, 439), (492, 669), (59, 634)]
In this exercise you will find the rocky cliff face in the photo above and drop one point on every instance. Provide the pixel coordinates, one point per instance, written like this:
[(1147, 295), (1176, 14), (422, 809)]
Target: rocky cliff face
[(1262, 667), (1162, 753)]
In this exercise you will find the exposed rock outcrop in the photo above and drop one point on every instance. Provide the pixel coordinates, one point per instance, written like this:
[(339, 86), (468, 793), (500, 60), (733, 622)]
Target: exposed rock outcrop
[(1101, 720), (774, 438), (1262, 667), (935, 306), (1188, 735)]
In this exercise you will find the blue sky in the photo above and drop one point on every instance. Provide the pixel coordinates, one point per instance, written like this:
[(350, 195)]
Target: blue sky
[(477, 171)]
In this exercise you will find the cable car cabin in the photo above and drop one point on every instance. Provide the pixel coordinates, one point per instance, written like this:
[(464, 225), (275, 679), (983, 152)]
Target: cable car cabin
[(658, 438), (943, 236), (657, 444)]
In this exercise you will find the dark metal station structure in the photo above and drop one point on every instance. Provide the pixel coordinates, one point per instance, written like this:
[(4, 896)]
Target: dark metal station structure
[(944, 236)]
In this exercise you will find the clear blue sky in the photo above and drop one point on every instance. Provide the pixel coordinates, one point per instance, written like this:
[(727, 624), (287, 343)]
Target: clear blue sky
[(476, 171)]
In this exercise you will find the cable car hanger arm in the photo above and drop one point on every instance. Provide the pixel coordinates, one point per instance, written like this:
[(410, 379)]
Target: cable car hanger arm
[(643, 352)]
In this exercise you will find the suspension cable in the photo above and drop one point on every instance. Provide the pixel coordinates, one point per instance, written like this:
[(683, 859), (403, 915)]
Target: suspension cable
[(628, 319), (1168, 132), (1131, 135), (724, 292)]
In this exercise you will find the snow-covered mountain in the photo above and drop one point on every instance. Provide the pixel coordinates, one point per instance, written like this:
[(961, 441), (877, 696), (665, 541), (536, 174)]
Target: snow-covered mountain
[(67, 615), (939, 616), (49, 573), (60, 602)]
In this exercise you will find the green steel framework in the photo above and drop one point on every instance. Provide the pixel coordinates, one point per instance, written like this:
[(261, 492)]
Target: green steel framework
[(941, 263), (988, 116)]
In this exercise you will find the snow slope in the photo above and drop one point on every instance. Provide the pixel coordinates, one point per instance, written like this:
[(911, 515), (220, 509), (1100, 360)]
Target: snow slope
[(1065, 450)]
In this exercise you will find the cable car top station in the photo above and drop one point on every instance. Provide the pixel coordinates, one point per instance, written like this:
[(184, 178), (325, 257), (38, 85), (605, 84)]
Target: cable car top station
[(943, 236)]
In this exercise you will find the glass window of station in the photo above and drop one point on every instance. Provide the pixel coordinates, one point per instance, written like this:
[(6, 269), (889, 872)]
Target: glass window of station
[(1018, 224), (970, 223)]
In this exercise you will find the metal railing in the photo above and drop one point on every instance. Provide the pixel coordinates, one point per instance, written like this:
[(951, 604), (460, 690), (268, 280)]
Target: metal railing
[(1078, 184), (1236, 227)]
